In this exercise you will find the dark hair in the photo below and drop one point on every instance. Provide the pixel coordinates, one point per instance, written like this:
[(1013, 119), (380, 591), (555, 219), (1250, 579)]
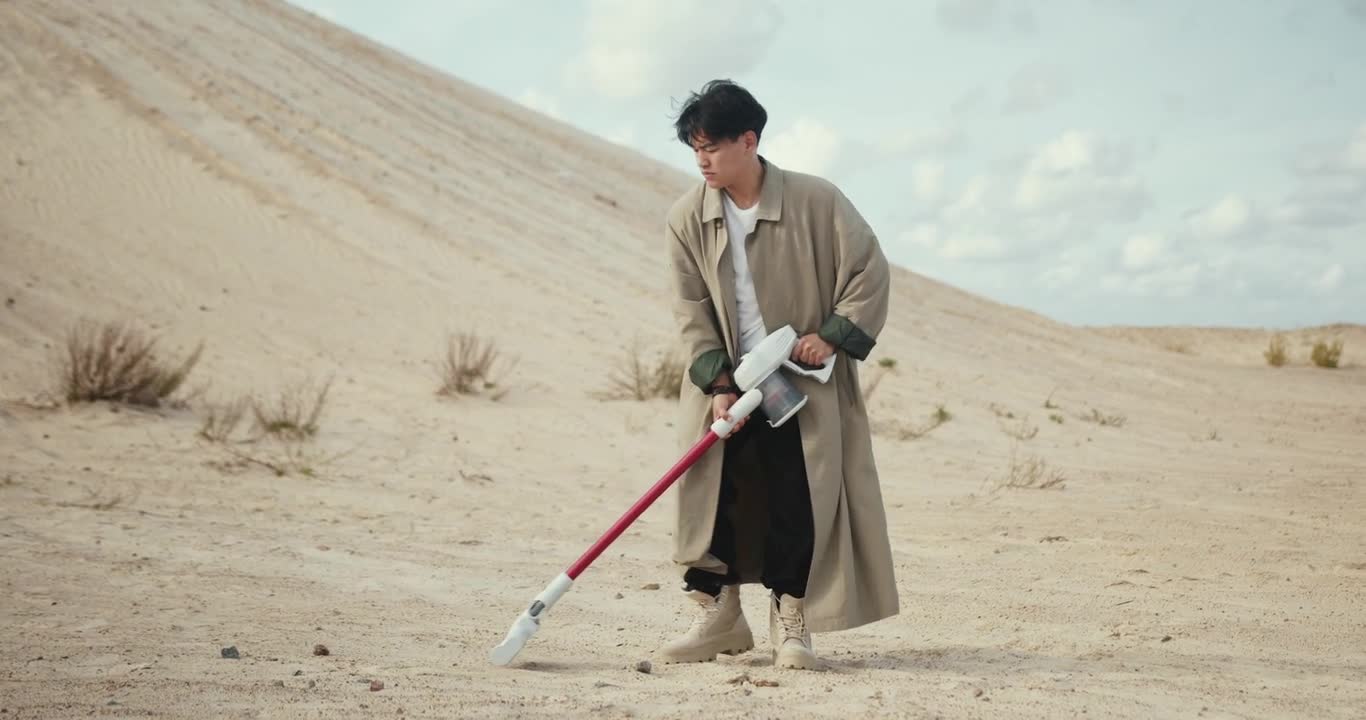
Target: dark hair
[(721, 111)]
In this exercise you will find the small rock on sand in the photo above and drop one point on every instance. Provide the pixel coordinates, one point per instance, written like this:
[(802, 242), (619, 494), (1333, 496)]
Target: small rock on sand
[(650, 586), (644, 666), (231, 653), (376, 685), (321, 649)]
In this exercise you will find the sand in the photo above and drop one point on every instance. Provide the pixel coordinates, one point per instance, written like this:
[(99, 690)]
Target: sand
[(311, 205)]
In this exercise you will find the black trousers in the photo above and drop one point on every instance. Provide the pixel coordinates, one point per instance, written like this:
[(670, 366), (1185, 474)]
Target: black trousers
[(763, 466)]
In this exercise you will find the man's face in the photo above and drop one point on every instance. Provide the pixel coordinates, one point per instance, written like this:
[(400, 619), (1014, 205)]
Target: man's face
[(723, 161)]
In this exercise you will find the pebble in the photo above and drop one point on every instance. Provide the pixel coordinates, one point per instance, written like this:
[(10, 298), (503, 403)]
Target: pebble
[(231, 653), (644, 666)]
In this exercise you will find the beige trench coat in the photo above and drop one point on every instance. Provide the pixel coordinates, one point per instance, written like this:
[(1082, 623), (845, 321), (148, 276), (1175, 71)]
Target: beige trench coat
[(817, 266)]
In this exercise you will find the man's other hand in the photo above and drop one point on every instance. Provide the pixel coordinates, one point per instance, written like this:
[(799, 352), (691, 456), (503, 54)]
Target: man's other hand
[(812, 350)]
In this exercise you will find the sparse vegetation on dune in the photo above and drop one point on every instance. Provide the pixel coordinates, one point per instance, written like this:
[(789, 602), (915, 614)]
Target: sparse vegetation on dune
[(1030, 473), (1104, 419), (282, 431), (885, 366), (294, 413), (1325, 355), (1275, 352), (470, 365), (118, 362), (903, 431), (639, 378)]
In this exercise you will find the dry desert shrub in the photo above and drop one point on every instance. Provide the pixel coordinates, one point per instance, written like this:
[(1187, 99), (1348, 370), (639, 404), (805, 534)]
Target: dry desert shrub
[(639, 378), (471, 365), (1275, 351), (1020, 430), (1031, 473), (293, 415), (119, 363), (283, 430), (940, 416), (1103, 419), (222, 419), (1325, 355)]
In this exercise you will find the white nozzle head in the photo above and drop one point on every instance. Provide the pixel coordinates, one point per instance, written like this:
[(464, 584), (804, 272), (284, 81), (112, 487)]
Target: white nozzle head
[(521, 631)]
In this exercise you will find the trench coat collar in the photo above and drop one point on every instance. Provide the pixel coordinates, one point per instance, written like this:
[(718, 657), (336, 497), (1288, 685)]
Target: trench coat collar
[(770, 196)]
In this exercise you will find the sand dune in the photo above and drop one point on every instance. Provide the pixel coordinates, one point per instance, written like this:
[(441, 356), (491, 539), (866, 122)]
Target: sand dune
[(310, 204)]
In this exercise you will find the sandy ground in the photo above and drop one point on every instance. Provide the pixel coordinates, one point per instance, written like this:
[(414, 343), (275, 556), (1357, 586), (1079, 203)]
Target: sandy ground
[(1202, 556)]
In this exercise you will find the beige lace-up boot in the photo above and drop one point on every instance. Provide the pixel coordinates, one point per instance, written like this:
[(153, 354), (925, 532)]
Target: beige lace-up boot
[(718, 628), (790, 639)]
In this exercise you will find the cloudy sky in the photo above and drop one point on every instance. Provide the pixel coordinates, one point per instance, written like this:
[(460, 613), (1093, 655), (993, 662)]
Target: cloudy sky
[(1098, 161)]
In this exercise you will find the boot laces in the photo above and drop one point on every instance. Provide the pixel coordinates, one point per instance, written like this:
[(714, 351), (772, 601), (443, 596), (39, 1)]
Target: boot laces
[(710, 610), (793, 622)]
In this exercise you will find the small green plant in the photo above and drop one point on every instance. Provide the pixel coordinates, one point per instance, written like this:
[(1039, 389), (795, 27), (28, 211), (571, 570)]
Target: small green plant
[(887, 362), (1325, 355), (119, 363), (1275, 351), (941, 415), (1055, 417)]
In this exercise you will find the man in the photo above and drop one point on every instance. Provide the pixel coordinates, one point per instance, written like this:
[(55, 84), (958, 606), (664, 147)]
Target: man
[(797, 508)]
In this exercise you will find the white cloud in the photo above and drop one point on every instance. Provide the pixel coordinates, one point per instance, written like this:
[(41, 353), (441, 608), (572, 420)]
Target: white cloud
[(927, 178), (634, 48), (1331, 279), (1035, 87), (808, 145), (1174, 281), (918, 141), (1144, 251), (923, 235), (960, 247), (1230, 216), (1081, 178), (972, 248)]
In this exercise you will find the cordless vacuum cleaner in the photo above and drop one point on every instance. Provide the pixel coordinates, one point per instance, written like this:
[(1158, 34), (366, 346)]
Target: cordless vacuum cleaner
[(761, 385)]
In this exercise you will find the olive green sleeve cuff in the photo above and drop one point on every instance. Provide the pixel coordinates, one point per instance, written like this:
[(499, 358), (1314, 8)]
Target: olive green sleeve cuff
[(841, 332), (707, 366)]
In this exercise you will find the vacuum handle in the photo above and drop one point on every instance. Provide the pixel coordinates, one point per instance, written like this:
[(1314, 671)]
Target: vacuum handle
[(739, 411)]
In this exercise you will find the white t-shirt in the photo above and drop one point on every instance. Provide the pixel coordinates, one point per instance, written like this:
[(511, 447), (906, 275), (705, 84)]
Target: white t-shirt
[(739, 224)]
